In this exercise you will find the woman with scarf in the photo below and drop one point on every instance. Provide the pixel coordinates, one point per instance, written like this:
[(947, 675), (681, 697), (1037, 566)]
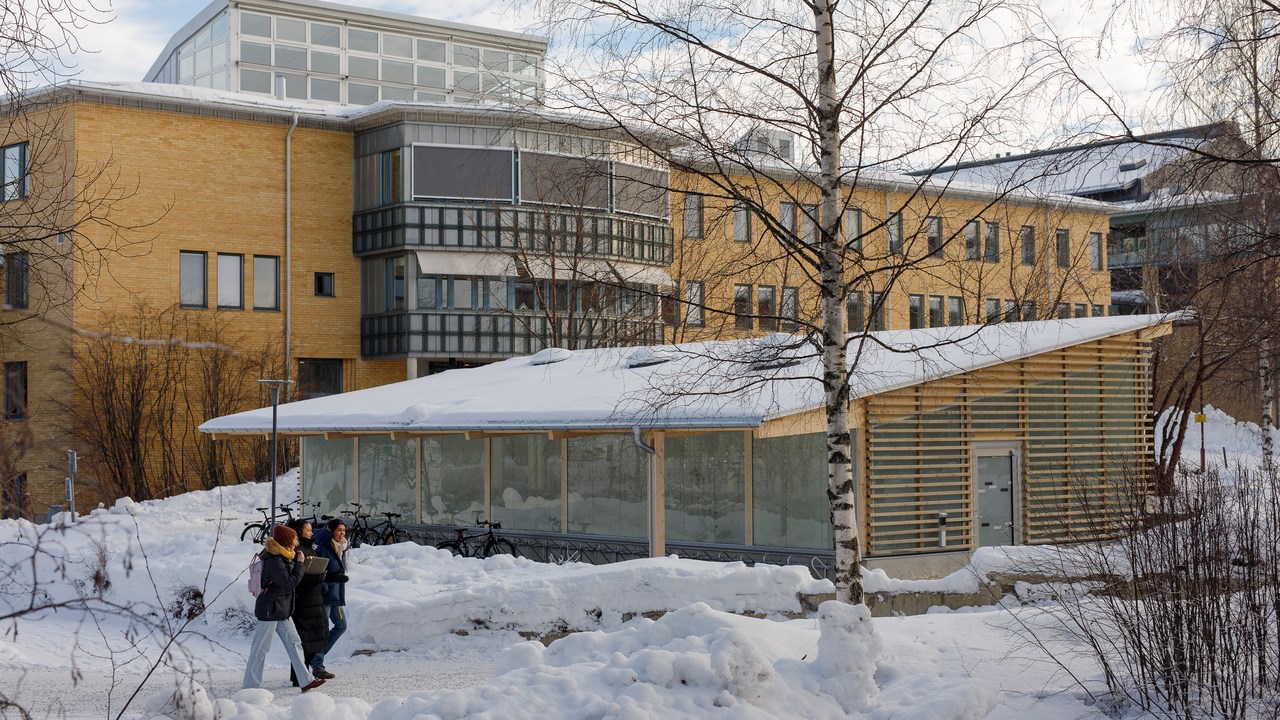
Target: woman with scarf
[(282, 569), (331, 542), (309, 616)]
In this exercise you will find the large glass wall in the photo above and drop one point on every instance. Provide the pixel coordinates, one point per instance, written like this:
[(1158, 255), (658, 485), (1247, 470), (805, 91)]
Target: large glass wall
[(526, 481), (453, 480), (789, 492), (608, 488), (328, 473), (389, 476), (705, 487)]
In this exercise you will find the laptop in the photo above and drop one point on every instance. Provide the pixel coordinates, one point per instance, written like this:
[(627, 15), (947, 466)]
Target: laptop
[(317, 565)]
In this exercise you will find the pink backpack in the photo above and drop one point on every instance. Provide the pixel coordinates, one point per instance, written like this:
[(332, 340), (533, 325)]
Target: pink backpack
[(255, 575)]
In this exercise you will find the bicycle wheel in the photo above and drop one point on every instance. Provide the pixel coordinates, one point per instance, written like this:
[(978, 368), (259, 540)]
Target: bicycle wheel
[(498, 547), (254, 532), (391, 537), (452, 546), (358, 538)]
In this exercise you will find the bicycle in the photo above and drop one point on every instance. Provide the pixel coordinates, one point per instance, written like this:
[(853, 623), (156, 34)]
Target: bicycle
[(359, 532), (258, 529), (479, 544), (391, 535)]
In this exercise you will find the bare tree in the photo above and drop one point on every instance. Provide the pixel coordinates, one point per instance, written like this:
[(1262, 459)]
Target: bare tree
[(811, 104)]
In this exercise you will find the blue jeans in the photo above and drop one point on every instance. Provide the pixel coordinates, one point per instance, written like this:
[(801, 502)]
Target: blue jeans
[(337, 616), (262, 645)]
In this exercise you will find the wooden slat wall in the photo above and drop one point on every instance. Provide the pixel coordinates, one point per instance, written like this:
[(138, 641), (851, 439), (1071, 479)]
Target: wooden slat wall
[(1080, 415)]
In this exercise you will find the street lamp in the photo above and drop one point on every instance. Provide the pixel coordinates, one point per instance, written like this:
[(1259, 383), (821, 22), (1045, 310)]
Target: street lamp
[(274, 386)]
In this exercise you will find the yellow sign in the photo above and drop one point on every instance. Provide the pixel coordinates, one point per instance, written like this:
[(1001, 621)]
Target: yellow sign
[(1199, 417)]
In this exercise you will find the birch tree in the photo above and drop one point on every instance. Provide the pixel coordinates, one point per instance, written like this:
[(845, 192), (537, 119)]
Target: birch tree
[(770, 101)]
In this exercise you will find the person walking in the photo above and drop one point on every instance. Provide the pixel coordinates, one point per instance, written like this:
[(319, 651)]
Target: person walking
[(331, 542), (310, 618), (282, 569)]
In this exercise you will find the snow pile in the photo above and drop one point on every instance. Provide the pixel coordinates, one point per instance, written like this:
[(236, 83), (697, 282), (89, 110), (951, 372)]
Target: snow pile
[(1239, 442)]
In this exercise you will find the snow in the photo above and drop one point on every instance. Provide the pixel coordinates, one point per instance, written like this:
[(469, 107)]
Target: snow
[(710, 384), (433, 636)]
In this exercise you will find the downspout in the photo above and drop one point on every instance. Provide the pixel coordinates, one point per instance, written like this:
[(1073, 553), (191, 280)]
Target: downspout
[(288, 235), (653, 488)]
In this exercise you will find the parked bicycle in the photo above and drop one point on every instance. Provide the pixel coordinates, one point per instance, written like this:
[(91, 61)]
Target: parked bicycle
[(257, 530), (359, 531), (479, 544), (386, 532)]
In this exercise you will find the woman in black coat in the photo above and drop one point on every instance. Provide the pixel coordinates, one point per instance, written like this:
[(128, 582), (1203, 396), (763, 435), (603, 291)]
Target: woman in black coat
[(309, 616)]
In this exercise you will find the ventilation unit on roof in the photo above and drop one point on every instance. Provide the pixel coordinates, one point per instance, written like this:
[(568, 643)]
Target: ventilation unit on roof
[(1134, 165), (647, 356), (549, 356)]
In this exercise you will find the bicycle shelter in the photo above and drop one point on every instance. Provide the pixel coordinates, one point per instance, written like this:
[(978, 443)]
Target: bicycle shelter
[(1026, 433)]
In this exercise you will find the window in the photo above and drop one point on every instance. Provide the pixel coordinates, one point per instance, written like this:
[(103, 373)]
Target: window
[(853, 229), (991, 249), (915, 308), (13, 172), (809, 224), (1095, 251), (266, 282), (1028, 310), (879, 312), (13, 497), (382, 285), (1064, 311), (1064, 248), (972, 250), (955, 311), (790, 307), (741, 223), (230, 281), (15, 274), (933, 234), (993, 310), (15, 390), (894, 227), (692, 215), (856, 312), (1010, 311), (1097, 311), (318, 378), (767, 307), (742, 307), (1082, 310), (193, 285), (936, 316), (693, 297), (1028, 236), (324, 284), (787, 216)]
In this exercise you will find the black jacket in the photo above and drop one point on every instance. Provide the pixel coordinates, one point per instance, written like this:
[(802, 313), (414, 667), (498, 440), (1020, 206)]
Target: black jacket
[(279, 580), (309, 615)]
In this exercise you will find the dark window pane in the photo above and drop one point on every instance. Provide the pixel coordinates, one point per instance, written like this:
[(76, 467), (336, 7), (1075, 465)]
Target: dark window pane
[(318, 378)]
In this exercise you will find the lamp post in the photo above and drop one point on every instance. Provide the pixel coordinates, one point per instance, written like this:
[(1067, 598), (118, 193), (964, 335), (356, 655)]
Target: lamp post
[(273, 387)]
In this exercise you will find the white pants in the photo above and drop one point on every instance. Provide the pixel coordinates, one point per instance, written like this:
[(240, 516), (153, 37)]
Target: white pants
[(262, 645)]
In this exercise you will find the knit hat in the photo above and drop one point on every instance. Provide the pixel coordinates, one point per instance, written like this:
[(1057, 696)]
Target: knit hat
[(284, 536)]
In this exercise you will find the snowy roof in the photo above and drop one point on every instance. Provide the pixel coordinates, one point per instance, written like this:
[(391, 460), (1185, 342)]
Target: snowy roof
[(722, 384)]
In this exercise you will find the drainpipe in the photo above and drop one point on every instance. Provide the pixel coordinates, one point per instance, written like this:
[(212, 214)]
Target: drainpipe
[(653, 489), (288, 235)]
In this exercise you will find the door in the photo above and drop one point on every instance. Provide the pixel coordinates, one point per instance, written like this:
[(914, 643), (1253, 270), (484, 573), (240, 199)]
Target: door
[(996, 472)]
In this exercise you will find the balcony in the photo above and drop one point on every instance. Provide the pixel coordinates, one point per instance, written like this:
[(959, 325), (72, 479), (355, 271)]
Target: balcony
[(495, 334)]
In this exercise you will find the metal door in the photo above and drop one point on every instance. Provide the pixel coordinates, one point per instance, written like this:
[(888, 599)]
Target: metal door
[(994, 474)]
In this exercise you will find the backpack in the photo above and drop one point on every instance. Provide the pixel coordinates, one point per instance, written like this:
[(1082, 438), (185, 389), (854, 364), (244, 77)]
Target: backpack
[(255, 575)]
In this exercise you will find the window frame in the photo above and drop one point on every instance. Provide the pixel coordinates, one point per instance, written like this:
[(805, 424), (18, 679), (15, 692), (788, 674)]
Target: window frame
[(878, 315), (933, 234), (318, 284), (692, 217), (1096, 253), (1062, 247), (16, 385), (893, 233), (991, 243), (938, 303), (767, 317), (21, 182), (239, 258), (855, 311), (743, 304), (17, 280), (204, 278), (789, 307), (694, 313), (275, 281), (955, 310), (1027, 236), (973, 240), (853, 230), (741, 222), (915, 311)]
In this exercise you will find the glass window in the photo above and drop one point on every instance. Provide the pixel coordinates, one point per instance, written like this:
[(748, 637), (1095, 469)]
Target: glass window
[(230, 281), (742, 307), (327, 90), (291, 57), (993, 310), (855, 312), (328, 474), (936, 316), (468, 82), (525, 475), (192, 282), (324, 284), (955, 311), (1095, 251), (256, 53), (790, 307), (693, 215), (431, 76), (1063, 238), (266, 282), (915, 306), (362, 40), (13, 165), (789, 505), (972, 249), (809, 224), (397, 46), (389, 476), (933, 233), (430, 97), (326, 35), (526, 65), (693, 297), (879, 312), (1028, 237), (1097, 311), (326, 62), (397, 71), (741, 223), (608, 486), (1082, 310), (496, 60), (465, 56), (991, 249), (359, 67), (787, 216), (256, 25), (853, 229), (767, 307), (453, 480), (255, 81), (16, 280), (431, 51), (15, 390), (358, 94), (894, 228), (318, 377), (291, 30), (1028, 310), (705, 487)]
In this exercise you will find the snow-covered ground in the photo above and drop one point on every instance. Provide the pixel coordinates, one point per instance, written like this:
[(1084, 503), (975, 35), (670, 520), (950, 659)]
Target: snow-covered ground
[(434, 636)]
